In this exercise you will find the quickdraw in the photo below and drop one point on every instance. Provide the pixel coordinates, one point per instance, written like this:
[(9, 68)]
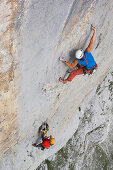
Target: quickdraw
[(92, 70)]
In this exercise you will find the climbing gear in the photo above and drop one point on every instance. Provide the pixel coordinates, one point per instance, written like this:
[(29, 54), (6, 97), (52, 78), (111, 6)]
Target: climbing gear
[(43, 129), (79, 54), (92, 70), (52, 141)]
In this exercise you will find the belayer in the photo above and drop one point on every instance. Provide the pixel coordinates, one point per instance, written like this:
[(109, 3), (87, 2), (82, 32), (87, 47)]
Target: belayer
[(84, 60), (46, 143)]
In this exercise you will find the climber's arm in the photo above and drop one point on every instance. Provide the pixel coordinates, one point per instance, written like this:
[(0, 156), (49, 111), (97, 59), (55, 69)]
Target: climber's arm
[(72, 65), (88, 49)]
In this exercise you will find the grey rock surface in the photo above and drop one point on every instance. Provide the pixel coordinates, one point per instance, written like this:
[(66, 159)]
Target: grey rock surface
[(91, 146), (47, 30)]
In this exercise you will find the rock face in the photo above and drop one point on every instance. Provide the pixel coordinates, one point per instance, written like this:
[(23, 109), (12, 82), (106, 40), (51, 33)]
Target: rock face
[(8, 106), (91, 146), (37, 33)]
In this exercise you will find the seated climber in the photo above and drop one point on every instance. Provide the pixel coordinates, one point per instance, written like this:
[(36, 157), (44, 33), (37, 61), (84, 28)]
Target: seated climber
[(46, 143), (84, 60)]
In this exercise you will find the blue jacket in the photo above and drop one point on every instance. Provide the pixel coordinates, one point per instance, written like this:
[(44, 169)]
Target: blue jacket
[(88, 62)]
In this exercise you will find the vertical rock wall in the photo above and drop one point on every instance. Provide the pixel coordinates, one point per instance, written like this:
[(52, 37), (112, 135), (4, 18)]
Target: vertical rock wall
[(8, 107), (91, 146), (47, 30)]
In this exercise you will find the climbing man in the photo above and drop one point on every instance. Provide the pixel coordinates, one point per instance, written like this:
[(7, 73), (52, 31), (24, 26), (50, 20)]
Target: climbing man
[(46, 143), (84, 61), (43, 129)]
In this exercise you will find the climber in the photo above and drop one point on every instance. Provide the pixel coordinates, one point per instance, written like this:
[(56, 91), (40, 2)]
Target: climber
[(84, 61), (46, 143), (43, 129)]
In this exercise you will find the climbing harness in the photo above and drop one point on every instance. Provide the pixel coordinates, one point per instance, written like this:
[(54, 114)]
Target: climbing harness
[(92, 70), (43, 129)]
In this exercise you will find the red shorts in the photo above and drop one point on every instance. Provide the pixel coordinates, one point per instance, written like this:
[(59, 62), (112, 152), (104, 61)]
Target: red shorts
[(76, 72)]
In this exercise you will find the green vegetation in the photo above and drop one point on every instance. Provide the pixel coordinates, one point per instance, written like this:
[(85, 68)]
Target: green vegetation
[(60, 161), (79, 109), (110, 86), (71, 166), (100, 160), (75, 148), (99, 90), (87, 117)]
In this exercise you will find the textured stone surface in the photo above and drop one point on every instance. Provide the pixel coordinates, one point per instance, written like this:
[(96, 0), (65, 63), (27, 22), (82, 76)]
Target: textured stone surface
[(8, 107), (45, 31), (91, 146)]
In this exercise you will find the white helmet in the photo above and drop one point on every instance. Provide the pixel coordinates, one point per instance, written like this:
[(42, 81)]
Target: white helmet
[(79, 54)]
